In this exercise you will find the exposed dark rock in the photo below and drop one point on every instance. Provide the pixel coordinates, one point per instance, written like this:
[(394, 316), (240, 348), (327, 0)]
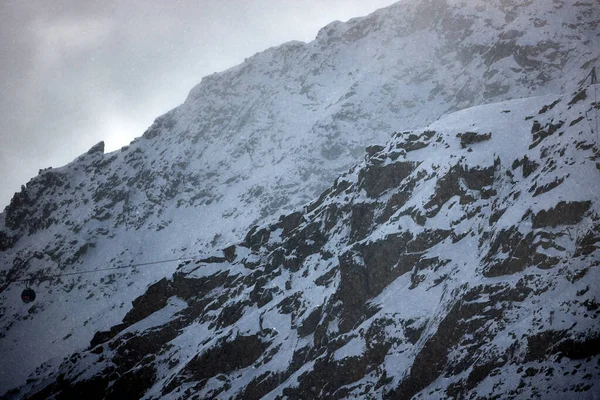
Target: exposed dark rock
[(427, 239), (396, 201), (581, 95), (229, 253), (468, 138), (541, 344), (353, 290), (310, 322), (291, 222), (449, 185), (255, 238), (226, 356), (431, 360), (413, 333), (154, 299), (519, 252), (580, 349), (230, 314), (377, 179), (564, 213), (415, 142), (326, 278), (308, 240), (372, 150), (361, 220), (189, 288), (92, 389), (476, 308), (104, 336), (328, 376), (159, 125), (587, 242), (16, 210), (368, 269), (132, 348), (133, 384), (576, 120), (546, 188), (539, 133), (478, 178), (260, 386), (528, 165), (548, 107), (6, 241), (97, 148), (385, 260)]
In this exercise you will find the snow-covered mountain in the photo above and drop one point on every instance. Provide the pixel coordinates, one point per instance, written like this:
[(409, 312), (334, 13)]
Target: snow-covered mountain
[(456, 261), (257, 141)]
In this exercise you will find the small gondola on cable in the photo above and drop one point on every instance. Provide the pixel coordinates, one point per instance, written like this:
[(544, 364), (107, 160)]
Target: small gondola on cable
[(28, 295)]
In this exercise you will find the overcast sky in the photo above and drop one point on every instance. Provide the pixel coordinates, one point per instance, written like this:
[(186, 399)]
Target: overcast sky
[(75, 72)]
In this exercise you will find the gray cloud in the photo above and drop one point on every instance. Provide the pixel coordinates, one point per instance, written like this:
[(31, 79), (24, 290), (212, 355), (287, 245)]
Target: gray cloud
[(77, 72)]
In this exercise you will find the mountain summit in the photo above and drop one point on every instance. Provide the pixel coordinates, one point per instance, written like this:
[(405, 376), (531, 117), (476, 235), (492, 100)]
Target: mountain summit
[(264, 138)]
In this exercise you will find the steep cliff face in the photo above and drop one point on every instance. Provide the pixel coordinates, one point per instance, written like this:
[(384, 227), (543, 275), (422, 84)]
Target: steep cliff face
[(459, 260), (258, 140)]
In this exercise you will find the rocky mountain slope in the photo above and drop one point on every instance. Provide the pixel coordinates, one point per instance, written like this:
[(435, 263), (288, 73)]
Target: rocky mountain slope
[(256, 141), (460, 261)]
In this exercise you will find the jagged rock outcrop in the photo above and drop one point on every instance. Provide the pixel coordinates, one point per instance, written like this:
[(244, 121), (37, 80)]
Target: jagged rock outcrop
[(438, 298)]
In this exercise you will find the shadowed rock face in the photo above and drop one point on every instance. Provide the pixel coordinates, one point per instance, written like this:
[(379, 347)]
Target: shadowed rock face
[(470, 285), (227, 356), (377, 179), (564, 213)]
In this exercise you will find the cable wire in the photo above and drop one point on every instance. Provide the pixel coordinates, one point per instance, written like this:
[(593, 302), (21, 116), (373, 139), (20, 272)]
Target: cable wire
[(50, 277)]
